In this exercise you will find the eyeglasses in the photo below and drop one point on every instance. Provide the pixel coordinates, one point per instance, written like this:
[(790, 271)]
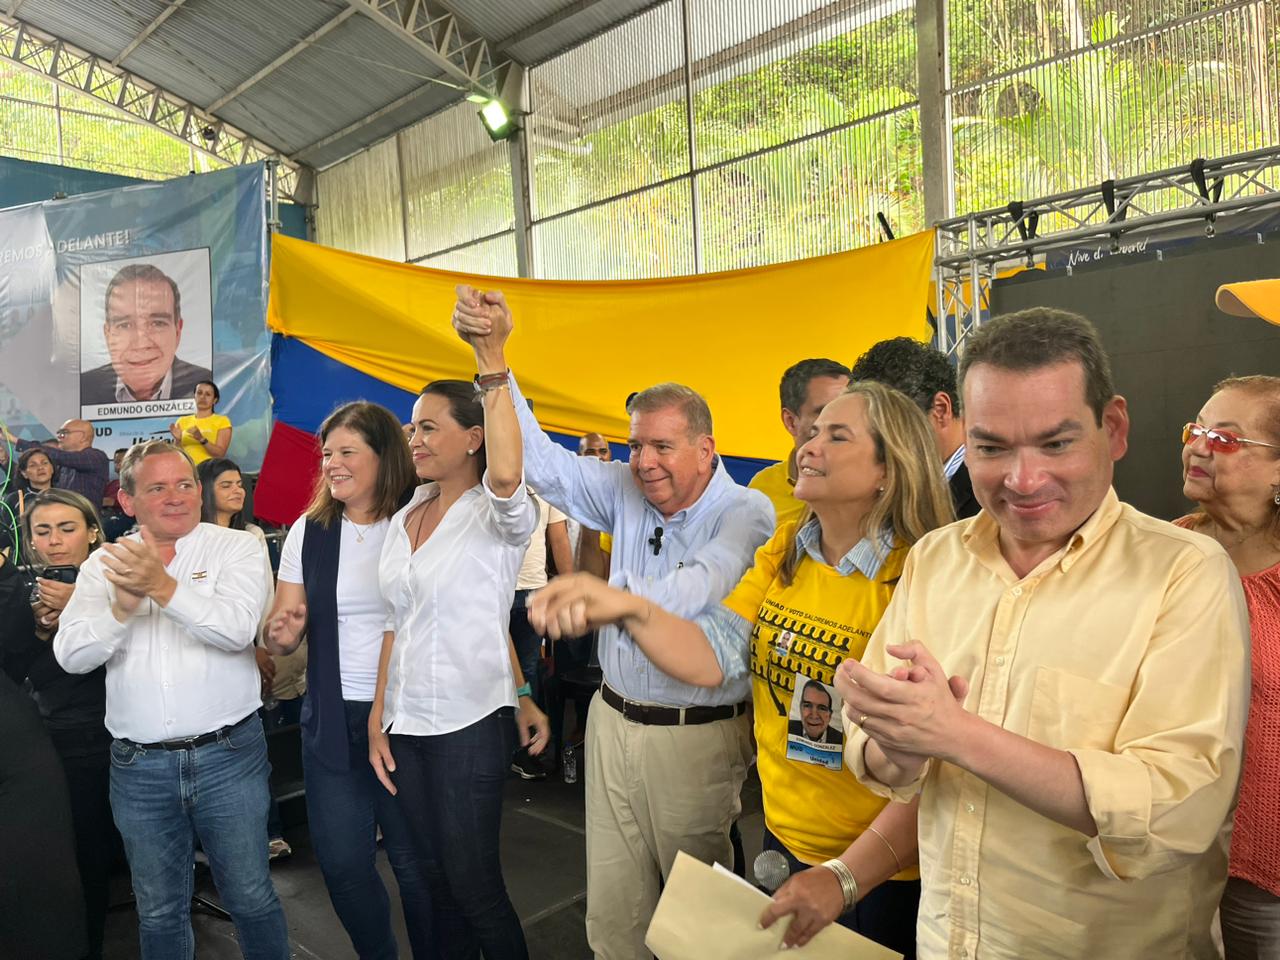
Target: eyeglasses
[(1220, 441)]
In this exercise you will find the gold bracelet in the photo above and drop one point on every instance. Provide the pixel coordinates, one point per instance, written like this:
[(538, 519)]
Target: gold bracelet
[(848, 885), (893, 852)]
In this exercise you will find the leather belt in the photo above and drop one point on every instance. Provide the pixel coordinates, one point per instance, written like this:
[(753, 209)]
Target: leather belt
[(190, 743), (656, 716)]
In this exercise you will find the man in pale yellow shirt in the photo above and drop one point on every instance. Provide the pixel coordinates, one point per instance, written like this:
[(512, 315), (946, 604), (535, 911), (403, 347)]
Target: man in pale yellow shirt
[(806, 388), (1062, 679)]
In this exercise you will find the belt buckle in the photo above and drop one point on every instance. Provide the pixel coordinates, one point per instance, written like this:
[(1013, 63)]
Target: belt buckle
[(627, 708)]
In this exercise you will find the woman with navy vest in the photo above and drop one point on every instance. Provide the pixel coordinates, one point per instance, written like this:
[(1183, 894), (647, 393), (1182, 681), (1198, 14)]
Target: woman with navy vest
[(328, 592), (448, 681)]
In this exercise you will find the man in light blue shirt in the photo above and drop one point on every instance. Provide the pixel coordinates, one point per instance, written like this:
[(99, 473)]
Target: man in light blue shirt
[(665, 759)]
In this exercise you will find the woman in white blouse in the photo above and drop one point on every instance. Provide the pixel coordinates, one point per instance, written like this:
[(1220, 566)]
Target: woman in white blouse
[(329, 591), (448, 680)]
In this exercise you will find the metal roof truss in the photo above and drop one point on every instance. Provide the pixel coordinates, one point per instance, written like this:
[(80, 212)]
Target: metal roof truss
[(972, 249), (75, 69), (434, 30)]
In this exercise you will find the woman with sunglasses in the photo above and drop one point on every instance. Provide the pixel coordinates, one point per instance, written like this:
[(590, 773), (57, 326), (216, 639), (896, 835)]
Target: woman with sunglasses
[(873, 482), (1231, 468)]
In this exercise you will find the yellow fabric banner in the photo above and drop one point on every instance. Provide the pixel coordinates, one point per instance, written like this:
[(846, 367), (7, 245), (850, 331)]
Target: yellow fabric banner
[(579, 348)]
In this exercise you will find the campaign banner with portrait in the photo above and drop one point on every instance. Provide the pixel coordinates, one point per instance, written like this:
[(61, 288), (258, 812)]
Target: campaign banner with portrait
[(114, 305)]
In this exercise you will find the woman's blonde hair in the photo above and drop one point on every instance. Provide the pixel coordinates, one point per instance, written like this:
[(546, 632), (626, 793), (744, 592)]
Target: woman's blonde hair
[(915, 498)]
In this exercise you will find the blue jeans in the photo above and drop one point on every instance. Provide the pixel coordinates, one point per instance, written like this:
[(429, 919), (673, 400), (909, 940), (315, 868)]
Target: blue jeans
[(886, 914), (162, 802), (527, 643), (285, 713), (450, 789), (344, 810)]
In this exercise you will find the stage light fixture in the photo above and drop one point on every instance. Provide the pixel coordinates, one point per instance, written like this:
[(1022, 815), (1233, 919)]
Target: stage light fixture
[(499, 122)]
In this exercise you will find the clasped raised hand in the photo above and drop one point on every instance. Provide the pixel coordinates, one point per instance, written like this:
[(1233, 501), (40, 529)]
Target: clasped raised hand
[(482, 318)]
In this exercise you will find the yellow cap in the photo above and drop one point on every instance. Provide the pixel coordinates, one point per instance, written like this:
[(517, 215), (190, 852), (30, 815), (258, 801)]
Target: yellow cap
[(1251, 298)]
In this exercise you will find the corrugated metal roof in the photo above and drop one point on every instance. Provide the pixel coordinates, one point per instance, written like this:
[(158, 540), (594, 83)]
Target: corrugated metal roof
[(569, 26), (352, 87)]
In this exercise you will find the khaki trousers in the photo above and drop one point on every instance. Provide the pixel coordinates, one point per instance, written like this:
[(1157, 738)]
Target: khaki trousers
[(651, 792)]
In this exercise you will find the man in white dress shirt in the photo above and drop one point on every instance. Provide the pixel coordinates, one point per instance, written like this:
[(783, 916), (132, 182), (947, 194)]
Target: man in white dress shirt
[(172, 612)]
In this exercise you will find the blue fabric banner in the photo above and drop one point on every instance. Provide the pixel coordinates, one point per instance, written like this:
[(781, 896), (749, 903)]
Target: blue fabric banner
[(114, 304)]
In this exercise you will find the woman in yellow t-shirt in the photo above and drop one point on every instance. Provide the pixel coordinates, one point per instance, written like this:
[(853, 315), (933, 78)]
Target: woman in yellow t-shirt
[(206, 434), (874, 485)]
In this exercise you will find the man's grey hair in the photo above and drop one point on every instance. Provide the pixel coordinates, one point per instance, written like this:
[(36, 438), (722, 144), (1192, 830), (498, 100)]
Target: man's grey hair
[(132, 461), (688, 401), (145, 273)]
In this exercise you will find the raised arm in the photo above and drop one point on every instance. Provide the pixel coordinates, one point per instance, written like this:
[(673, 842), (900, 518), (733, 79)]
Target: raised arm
[(87, 460), (503, 448), (582, 487)]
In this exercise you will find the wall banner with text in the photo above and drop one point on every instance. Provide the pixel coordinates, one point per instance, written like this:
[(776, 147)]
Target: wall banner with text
[(114, 305)]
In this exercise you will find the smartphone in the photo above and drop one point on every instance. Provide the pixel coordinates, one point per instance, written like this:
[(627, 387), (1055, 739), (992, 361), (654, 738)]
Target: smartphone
[(63, 573)]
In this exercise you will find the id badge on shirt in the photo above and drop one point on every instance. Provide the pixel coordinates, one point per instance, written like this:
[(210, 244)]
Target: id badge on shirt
[(815, 726)]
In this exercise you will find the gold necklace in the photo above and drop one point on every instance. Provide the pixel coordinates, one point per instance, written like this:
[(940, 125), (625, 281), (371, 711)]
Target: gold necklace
[(359, 533)]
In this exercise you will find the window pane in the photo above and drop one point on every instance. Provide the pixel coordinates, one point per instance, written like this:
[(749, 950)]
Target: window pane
[(359, 207), (815, 197), (457, 181), (609, 116), (773, 70), (648, 234), (495, 257)]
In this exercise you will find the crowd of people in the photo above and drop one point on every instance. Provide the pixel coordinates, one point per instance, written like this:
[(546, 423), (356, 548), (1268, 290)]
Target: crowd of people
[(994, 710)]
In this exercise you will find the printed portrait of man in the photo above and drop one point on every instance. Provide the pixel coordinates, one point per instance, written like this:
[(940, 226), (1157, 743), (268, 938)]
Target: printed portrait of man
[(143, 330), (815, 715)]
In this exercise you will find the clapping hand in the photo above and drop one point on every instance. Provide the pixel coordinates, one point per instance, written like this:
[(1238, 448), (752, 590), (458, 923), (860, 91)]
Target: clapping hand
[(913, 712), (137, 570)]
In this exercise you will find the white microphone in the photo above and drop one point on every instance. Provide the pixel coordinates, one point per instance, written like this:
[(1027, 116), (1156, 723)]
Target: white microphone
[(771, 870)]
